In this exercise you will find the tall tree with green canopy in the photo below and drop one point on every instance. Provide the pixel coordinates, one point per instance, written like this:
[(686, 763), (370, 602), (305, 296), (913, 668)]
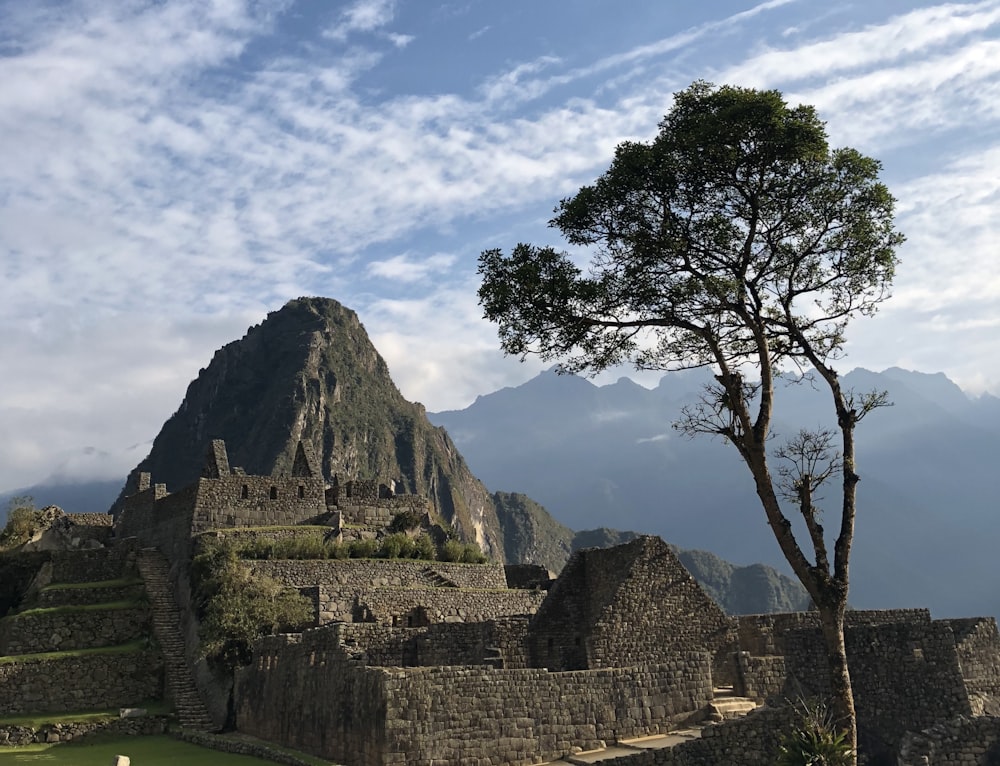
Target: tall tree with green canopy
[(736, 239)]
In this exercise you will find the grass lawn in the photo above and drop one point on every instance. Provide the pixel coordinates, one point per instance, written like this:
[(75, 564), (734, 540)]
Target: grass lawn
[(143, 751)]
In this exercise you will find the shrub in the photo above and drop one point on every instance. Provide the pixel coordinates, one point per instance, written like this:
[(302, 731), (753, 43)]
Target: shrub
[(814, 741), (22, 519), (397, 546), (424, 548), (471, 554), (364, 549), (451, 550)]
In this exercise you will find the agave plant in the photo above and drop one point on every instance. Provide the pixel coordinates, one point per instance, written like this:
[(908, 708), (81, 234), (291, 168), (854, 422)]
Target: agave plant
[(814, 741)]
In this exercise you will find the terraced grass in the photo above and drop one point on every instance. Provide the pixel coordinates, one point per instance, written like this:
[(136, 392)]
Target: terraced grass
[(36, 720), (106, 606), (133, 646), (119, 583), (143, 751)]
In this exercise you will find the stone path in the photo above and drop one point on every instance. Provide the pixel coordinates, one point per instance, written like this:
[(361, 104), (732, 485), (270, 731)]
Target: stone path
[(723, 706), (181, 689)]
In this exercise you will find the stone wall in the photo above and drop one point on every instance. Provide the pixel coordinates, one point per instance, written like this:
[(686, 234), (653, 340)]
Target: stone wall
[(45, 631), (160, 520), (54, 595), (313, 693), (18, 736), (760, 678), (906, 676), (749, 741), (978, 644), (527, 576), (480, 716), (256, 501), (303, 691), (413, 607), (763, 634), (357, 575), (86, 682), (957, 742), (93, 565), (341, 582)]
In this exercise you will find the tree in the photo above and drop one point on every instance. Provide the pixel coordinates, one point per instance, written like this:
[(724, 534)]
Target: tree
[(735, 239)]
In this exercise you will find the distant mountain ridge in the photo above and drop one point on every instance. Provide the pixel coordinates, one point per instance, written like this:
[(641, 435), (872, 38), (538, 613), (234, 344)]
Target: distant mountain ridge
[(599, 456)]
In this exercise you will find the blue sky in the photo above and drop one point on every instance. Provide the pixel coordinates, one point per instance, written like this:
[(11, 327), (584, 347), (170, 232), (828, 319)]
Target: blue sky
[(171, 171)]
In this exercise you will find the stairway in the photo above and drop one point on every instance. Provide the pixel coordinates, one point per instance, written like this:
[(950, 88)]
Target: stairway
[(181, 689), (726, 705), (435, 579)]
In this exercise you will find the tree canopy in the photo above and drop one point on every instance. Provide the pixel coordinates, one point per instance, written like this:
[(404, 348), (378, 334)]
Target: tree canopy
[(736, 239)]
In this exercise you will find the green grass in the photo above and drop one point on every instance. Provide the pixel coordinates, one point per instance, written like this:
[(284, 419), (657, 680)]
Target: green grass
[(133, 646), (36, 720), (119, 583), (107, 606), (143, 751)]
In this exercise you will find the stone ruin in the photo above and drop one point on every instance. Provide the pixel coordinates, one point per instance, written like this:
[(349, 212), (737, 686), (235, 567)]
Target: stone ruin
[(426, 662)]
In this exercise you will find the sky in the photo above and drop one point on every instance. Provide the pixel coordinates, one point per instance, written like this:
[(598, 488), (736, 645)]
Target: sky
[(172, 170)]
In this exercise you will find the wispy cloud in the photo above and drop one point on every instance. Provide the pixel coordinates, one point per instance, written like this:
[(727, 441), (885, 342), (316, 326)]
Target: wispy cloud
[(362, 16), (162, 161)]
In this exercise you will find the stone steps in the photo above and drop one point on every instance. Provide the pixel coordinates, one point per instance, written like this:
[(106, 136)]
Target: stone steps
[(181, 688)]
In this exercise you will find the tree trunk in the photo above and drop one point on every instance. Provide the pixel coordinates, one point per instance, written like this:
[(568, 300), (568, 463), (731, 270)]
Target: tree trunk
[(842, 696)]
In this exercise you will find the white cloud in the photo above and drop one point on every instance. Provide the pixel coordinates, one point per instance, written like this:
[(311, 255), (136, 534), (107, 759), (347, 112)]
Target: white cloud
[(362, 16), (149, 175), (405, 268)]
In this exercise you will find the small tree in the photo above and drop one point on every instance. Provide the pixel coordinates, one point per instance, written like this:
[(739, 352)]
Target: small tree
[(738, 240)]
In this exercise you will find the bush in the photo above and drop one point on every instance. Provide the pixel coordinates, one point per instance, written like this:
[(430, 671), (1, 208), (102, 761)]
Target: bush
[(451, 550), (364, 549), (22, 519), (424, 548), (814, 741), (397, 546), (471, 554)]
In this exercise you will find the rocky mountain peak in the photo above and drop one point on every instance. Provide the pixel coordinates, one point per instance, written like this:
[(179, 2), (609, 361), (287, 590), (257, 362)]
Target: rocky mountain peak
[(309, 372)]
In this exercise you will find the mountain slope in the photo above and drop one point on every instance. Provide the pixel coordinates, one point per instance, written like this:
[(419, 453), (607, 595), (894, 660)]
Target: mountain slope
[(598, 456), (310, 373)]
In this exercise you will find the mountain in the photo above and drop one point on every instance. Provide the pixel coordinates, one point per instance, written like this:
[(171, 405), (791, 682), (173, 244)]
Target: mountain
[(309, 372), (600, 456)]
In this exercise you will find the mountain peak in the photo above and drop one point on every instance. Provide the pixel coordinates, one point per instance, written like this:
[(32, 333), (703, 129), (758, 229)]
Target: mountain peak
[(310, 373)]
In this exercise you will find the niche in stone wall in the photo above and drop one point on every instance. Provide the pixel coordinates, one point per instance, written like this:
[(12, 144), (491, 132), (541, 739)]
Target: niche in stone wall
[(245, 492), (302, 492), (274, 493)]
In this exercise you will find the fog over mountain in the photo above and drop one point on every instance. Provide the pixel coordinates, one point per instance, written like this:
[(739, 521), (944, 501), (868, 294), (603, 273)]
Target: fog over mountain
[(606, 456)]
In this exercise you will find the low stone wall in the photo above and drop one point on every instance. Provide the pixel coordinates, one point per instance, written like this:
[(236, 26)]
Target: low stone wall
[(18, 736), (960, 741), (763, 634), (312, 693), (86, 682), (477, 715), (411, 607), (33, 632), (749, 741), (357, 575), (760, 678), (53, 595)]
